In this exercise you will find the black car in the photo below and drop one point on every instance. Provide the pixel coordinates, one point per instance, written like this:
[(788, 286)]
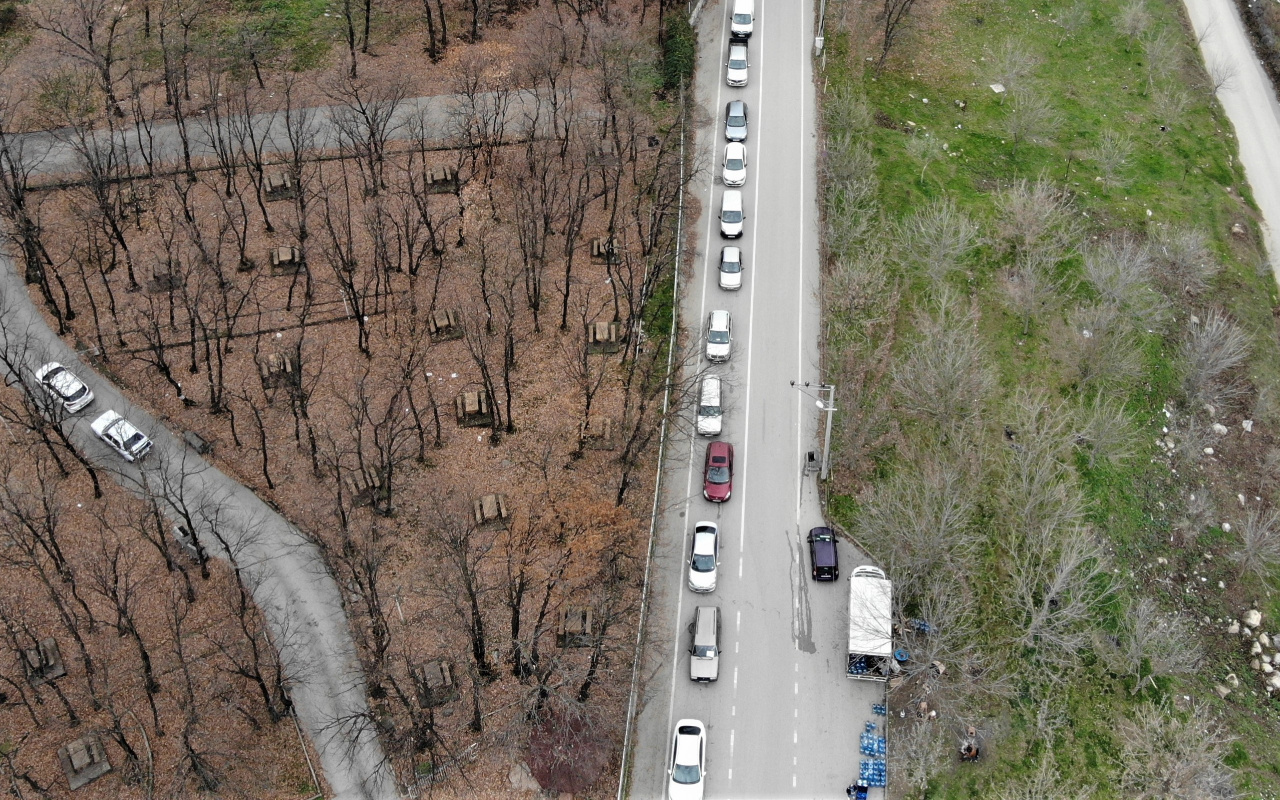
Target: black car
[(822, 554)]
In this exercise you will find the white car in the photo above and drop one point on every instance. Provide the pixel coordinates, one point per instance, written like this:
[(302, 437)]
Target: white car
[(736, 73), (719, 336), (731, 268), (735, 164), (69, 390), (704, 557), (731, 216), (118, 432), (687, 769)]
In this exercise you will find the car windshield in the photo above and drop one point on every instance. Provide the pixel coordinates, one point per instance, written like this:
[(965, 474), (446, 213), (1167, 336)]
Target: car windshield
[(708, 411), (685, 773), (703, 563), (737, 121), (705, 651), (731, 217), (742, 19), (719, 337), (718, 475), (78, 393), (733, 164), (731, 266), (737, 63), (134, 440)]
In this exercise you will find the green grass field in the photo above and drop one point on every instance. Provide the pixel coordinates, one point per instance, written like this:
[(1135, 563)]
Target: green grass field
[(1181, 172)]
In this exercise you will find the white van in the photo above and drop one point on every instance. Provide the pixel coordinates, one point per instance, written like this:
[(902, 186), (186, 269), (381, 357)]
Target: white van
[(710, 414), (744, 19), (731, 216), (704, 649)]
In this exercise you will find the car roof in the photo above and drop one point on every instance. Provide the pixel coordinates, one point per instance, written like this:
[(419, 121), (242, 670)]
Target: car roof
[(704, 538), (737, 107), (734, 147), (719, 449), (737, 46), (719, 318), (821, 532), (730, 253)]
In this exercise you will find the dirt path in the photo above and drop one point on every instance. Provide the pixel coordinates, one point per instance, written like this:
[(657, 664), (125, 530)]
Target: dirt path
[(1250, 102)]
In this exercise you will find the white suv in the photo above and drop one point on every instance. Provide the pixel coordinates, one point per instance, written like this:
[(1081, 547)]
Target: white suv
[(736, 73), (731, 268), (735, 164), (719, 337)]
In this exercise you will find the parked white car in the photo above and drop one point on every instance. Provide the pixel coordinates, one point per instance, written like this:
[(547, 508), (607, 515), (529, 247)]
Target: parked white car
[(719, 336), (731, 268), (736, 67), (705, 557), (123, 437), (687, 769), (64, 386), (735, 164), (731, 216)]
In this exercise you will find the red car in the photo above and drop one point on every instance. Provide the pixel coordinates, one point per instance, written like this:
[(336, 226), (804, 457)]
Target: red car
[(717, 475)]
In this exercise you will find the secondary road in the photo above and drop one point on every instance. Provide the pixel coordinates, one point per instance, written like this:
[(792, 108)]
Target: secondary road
[(1250, 102), (783, 720), (289, 581)]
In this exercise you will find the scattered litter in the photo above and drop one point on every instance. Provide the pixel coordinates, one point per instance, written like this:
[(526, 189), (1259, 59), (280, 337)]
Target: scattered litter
[(998, 88)]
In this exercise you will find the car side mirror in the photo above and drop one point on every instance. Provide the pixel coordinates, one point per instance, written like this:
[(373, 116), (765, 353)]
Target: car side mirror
[(691, 627)]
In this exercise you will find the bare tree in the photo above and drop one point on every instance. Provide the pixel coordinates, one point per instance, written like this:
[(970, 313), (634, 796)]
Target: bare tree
[(1036, 218), (365, 122), (90, 32), (1210, 351), (1033, 288), (1222, 75), (918, 753), (1133, 21), (1056, 583), (936, 238), (1184, 262), (1012, 64), (1112, 154), (1044, 784), (1106, 430), (1167, 755), (1120, 269), (944, 377), (927, 148), (893, 25), (1152, 644), (1073, 19), (1029, 118), (1100, 347), (1259, 548)]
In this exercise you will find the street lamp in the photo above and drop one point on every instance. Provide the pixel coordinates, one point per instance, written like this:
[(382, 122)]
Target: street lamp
[(828, 406)]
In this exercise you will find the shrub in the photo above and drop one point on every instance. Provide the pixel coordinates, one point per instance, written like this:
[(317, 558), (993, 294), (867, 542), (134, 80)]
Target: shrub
[(679, 52)]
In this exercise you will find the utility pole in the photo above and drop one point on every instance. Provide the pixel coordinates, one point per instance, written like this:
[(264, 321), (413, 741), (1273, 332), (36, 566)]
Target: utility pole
[(828, 406)]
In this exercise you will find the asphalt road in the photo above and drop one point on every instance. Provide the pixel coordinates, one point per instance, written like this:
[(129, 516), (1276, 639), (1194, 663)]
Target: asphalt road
[(783, 720), (1250, 102), (297, 595)]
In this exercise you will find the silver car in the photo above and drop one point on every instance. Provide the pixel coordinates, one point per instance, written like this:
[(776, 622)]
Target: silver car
[(719, 336), (731, 268), (735, 164), (735, 121), (736, 67), (123, 437)]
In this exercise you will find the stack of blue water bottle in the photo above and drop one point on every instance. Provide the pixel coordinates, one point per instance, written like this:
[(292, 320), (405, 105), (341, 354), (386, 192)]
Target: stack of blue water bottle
[(874, 772)]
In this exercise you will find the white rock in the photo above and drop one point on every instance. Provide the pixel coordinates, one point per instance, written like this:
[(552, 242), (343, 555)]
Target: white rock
[(1246, 633), (1213, 412), (1247, 425), (1232, 680), (1162, 560), (1255, 665), (1233, 628), (1265, 658), (1240, 497), (1222, 584), (1252, 617), (1221, 690), (1274, 681), (1255, 649), (1264, 640), (1267, 669), (1208, 451), (1220, 429), (1226, 527)]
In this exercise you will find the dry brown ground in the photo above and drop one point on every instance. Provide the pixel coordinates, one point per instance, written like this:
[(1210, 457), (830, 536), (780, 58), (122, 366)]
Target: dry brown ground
[(567, 500)]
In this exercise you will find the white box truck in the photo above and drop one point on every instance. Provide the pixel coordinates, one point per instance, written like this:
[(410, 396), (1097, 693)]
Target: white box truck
[(870, 624)]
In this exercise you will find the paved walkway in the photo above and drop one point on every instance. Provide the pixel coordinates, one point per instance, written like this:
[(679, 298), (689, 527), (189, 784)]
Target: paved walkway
[(1250, 102)]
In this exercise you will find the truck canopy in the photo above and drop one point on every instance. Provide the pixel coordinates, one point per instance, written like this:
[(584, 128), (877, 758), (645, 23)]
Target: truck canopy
[(870, 613)]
